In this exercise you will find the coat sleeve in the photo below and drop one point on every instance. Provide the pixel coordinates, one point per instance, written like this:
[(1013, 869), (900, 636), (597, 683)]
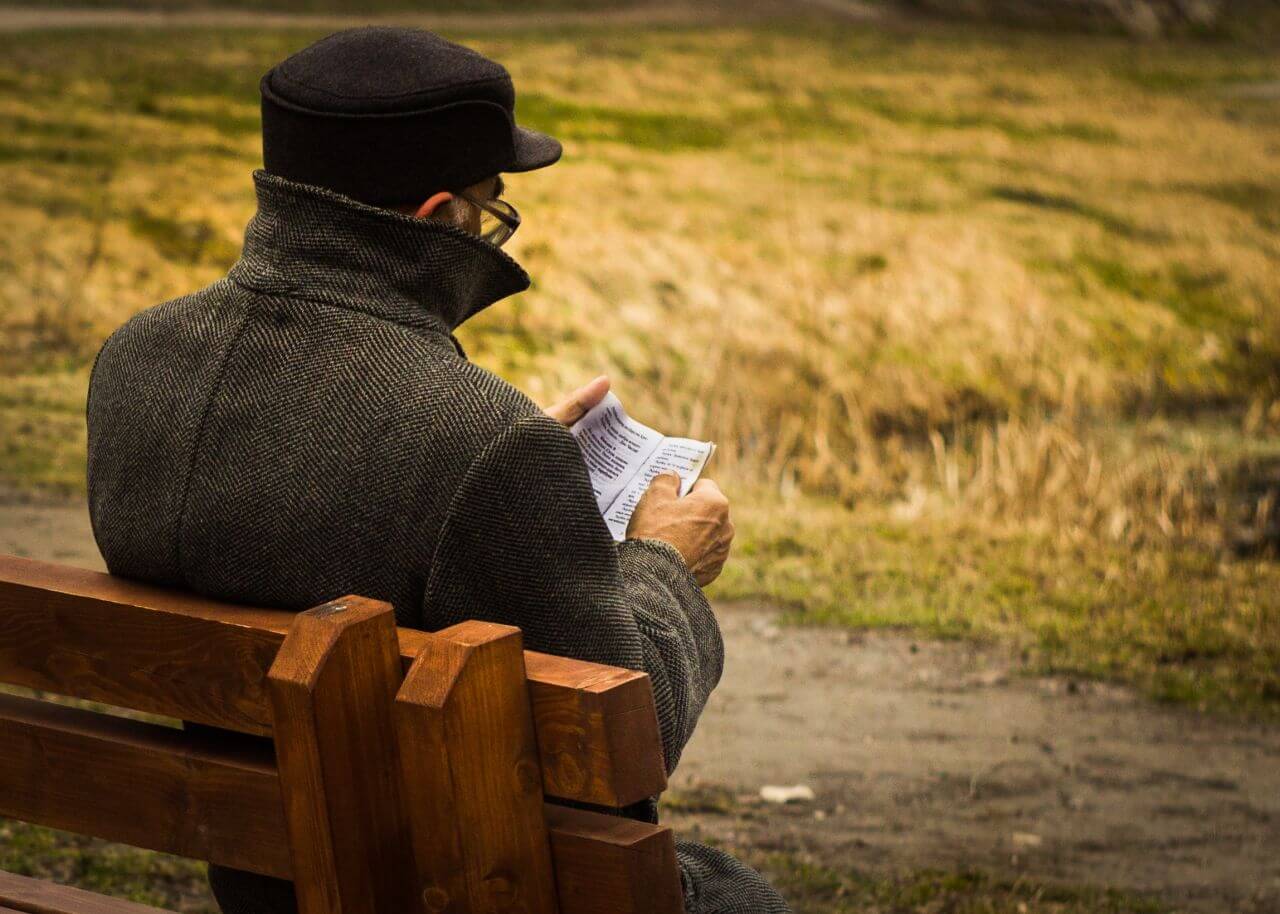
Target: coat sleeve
[(524, 544)]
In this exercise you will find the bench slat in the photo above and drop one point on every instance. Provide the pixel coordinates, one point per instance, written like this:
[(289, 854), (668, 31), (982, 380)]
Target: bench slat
[(35, 896), (611, 865), (142, 784), (597, 731), (89, 635)]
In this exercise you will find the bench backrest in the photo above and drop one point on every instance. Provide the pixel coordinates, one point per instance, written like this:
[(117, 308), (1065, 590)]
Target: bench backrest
[(404, 771)]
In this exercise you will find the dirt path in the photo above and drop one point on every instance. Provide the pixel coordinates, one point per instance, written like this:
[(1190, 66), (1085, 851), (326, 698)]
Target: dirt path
[(20, 18), (932, 755)]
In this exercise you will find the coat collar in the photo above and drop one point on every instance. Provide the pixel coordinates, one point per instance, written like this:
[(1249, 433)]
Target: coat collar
[(313, 243)]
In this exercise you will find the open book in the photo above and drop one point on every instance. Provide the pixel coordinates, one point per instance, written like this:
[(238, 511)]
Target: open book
[(623, 455)]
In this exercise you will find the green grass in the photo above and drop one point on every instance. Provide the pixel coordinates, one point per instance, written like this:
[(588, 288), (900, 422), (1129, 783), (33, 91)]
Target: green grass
[(196, 243), (1181, 623), (659, 131), (893, 109), (42, 432), (173, 883)]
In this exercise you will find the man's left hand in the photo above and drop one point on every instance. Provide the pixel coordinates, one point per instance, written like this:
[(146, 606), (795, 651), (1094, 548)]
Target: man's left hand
[(580, 402)]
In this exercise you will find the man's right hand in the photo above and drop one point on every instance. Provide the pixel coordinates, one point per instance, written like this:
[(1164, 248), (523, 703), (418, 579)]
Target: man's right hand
[(697, 525)]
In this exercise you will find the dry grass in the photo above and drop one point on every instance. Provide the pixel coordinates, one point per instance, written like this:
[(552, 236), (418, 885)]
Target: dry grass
[(983, 322), (995, 285)]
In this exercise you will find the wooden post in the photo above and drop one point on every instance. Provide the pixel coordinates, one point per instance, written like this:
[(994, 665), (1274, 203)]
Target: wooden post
[(332, 688), (472, 776)]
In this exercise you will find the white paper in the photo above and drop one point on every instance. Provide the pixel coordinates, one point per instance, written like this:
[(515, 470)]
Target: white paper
[(623, 455)]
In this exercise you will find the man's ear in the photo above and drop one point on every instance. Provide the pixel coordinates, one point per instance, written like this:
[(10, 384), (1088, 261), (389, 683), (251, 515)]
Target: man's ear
[(431, 204)]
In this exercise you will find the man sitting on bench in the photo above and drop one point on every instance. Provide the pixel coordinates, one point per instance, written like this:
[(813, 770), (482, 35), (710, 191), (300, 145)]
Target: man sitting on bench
[(308, 426)]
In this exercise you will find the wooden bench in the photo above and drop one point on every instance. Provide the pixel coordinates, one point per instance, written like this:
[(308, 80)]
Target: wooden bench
[(381, 769)]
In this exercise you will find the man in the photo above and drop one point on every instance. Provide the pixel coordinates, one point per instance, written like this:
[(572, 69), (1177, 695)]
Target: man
[(308, 426)]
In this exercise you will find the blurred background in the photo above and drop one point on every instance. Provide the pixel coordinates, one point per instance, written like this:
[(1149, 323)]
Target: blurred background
[(978, 299)]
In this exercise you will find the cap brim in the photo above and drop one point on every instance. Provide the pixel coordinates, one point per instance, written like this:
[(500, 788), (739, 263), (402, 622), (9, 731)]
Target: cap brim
[(534, 150)]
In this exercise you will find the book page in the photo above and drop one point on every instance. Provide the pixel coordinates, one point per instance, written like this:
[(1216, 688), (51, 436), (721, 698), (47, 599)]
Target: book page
[(684, 456), (614, 446)]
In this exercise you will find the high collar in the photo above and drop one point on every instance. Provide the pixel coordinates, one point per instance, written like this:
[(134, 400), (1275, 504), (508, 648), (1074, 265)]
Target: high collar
[(313, 243)]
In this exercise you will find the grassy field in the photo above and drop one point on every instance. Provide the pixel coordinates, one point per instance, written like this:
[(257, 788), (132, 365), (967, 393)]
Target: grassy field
[(983, 321)]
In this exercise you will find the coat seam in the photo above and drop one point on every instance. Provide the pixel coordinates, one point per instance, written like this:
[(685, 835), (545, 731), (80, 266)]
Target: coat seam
[(214, 390), (450, 511), (88, 400)]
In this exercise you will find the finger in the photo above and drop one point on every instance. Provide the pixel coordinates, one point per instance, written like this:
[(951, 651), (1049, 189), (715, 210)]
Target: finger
[(580, 402), (708, 572), (718, 558), (719, 548), (720, 552)]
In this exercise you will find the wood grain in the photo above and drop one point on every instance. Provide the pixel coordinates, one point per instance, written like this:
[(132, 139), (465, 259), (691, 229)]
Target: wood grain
[(90, 635), (141, 784), (470, 764), (332, 690), (337, 815), (34, 896), (597, 731), (611, 865)]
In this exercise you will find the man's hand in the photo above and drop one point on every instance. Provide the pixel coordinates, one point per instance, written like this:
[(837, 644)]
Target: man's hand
[(697, 525), (580, 402)]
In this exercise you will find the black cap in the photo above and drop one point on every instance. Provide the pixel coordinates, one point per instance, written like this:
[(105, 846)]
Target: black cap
[(391, 115)]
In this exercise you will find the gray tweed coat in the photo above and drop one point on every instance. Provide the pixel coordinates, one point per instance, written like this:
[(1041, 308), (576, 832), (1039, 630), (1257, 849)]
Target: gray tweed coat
[(308, 427)]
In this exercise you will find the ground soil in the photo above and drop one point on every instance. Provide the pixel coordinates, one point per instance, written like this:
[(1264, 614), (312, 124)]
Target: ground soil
[(939, 755)]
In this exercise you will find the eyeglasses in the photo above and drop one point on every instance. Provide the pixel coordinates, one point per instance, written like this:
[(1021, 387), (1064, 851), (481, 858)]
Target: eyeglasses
[(498, 218)]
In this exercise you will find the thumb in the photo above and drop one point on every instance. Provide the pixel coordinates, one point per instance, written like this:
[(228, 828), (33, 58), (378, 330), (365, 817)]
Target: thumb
[(580, 402), (665, 485)]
